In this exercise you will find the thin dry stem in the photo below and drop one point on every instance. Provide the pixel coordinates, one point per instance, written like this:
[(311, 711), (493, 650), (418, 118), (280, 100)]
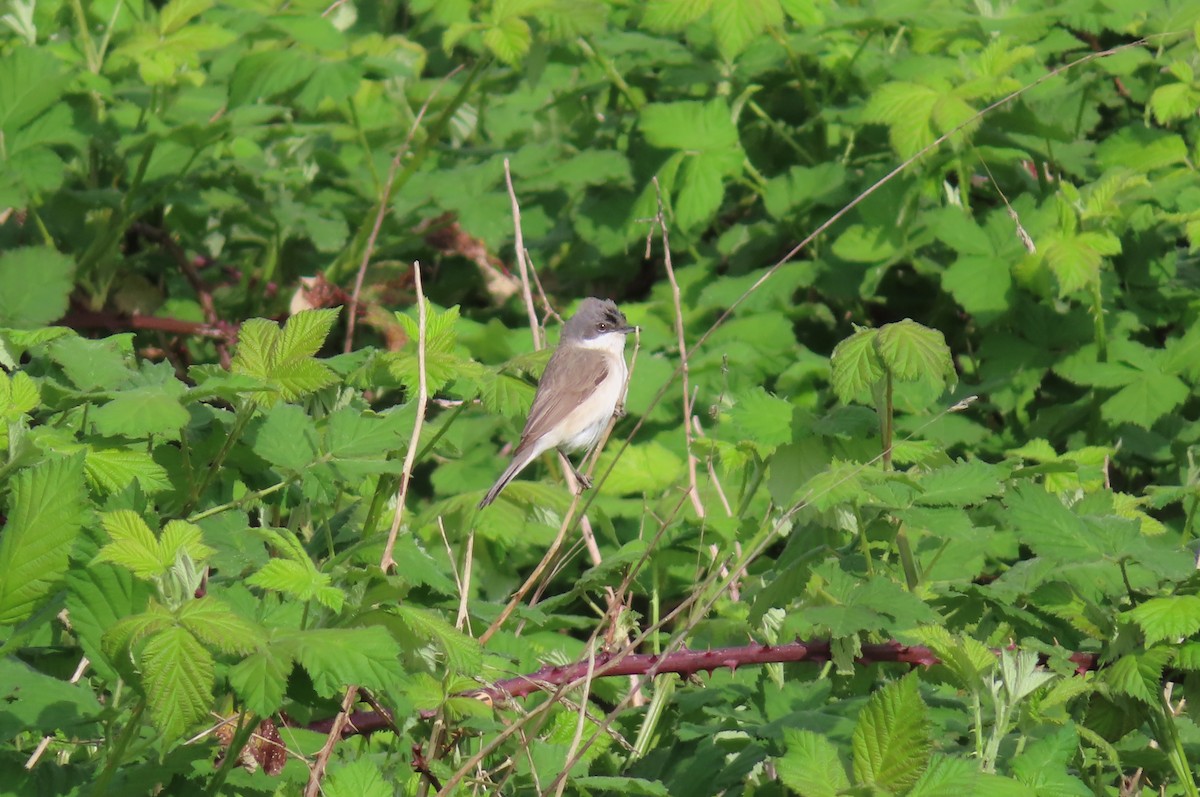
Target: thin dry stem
[(335, 733), (384, 196), (386, 563), (539, 340), (38, 751), (660, 219), (578, 737)]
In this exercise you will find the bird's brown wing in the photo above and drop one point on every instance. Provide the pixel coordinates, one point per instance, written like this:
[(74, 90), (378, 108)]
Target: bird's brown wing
[(571, 376)]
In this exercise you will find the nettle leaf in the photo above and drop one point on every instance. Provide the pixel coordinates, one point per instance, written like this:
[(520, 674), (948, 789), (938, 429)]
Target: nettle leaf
[(1167, 618), (1139, 675), (179, 675), (215, 624), (283, 358), (299, 579), (763, 419), (737, 22), (671, 16), (509, 39), (961, 484), (134, 546), (25, 302), (463, 653), (914, 352), (338, 657), (261, 678), (856, 366), (811, 765), (45, 513), (359, 778), (142, 412), (98, 597), (1151, 396), (891, 740)]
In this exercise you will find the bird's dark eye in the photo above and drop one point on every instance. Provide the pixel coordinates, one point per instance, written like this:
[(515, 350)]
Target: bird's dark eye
[(602, 325)]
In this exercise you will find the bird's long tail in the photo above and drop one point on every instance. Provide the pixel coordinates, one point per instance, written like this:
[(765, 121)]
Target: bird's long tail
[(520, 460)]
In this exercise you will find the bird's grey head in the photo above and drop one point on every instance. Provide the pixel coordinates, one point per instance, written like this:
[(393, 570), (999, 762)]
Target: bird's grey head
[(595, 317)]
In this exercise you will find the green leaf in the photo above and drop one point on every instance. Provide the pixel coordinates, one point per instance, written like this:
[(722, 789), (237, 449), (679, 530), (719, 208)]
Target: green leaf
[(95, 364), (737, 22), (287, 438), (689, 125), (26, 302), (133, 545), (509, 39), (1147, 399), (981, 285), (34, 701), (463, 653), (856, 366), (283, 358), (113, 469), (300, 580), (261, 678), (98, 597), (670, 16), (142, 412), (338, 657), (358, 778), (19, 395), (947, 777), (811, 765), (31, 81), (1042, 766), (1139, 675), (762, 419), (177, 13), (961, 484), (45, 513), (1167, 618), (891, 740), (265, 75), (179, 675), (215, 624), (913, 352)]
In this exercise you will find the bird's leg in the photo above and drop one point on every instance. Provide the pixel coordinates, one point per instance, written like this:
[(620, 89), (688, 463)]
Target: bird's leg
[(585, 483)]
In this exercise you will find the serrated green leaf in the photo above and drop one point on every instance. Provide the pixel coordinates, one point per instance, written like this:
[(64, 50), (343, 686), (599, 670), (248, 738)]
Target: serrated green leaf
[(176, 13), (133, 545), (737, 22), (1139, 675), (179, 675), (180, 536), (35, 701), (891, 740), (358, 778), (263, 75), (261, 678), (45, 513), (19, 395), (1041, 767), (763, 419), (283, 358), (689, 125), (463, 653), (913, 352), (1147, 399), (25, 302), (127, 632), (287, 438), (961, 484), (300, 580), (95, 364), (141, 412), (670, 16), (947, 777), (338, 657), (215, 624), (856, 366), (98, 597), (509, 39), (113, 469), (811, 765), (31, 81), (1167, 618)]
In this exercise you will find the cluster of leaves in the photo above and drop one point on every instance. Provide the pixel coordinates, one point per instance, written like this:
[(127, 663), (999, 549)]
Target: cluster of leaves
[(1013, 467)]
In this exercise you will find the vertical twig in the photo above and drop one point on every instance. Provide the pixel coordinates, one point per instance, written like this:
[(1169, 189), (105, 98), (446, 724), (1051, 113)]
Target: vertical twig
[(583, 703), (539, 341), (386, 563), (383, 202), (335, 733), (661, 220)]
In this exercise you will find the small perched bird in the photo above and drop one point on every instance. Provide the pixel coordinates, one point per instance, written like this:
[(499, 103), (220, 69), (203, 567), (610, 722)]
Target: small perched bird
[(579, 391)]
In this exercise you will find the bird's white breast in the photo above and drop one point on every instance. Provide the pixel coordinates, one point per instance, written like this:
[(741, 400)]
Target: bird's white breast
[(584, 425)]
